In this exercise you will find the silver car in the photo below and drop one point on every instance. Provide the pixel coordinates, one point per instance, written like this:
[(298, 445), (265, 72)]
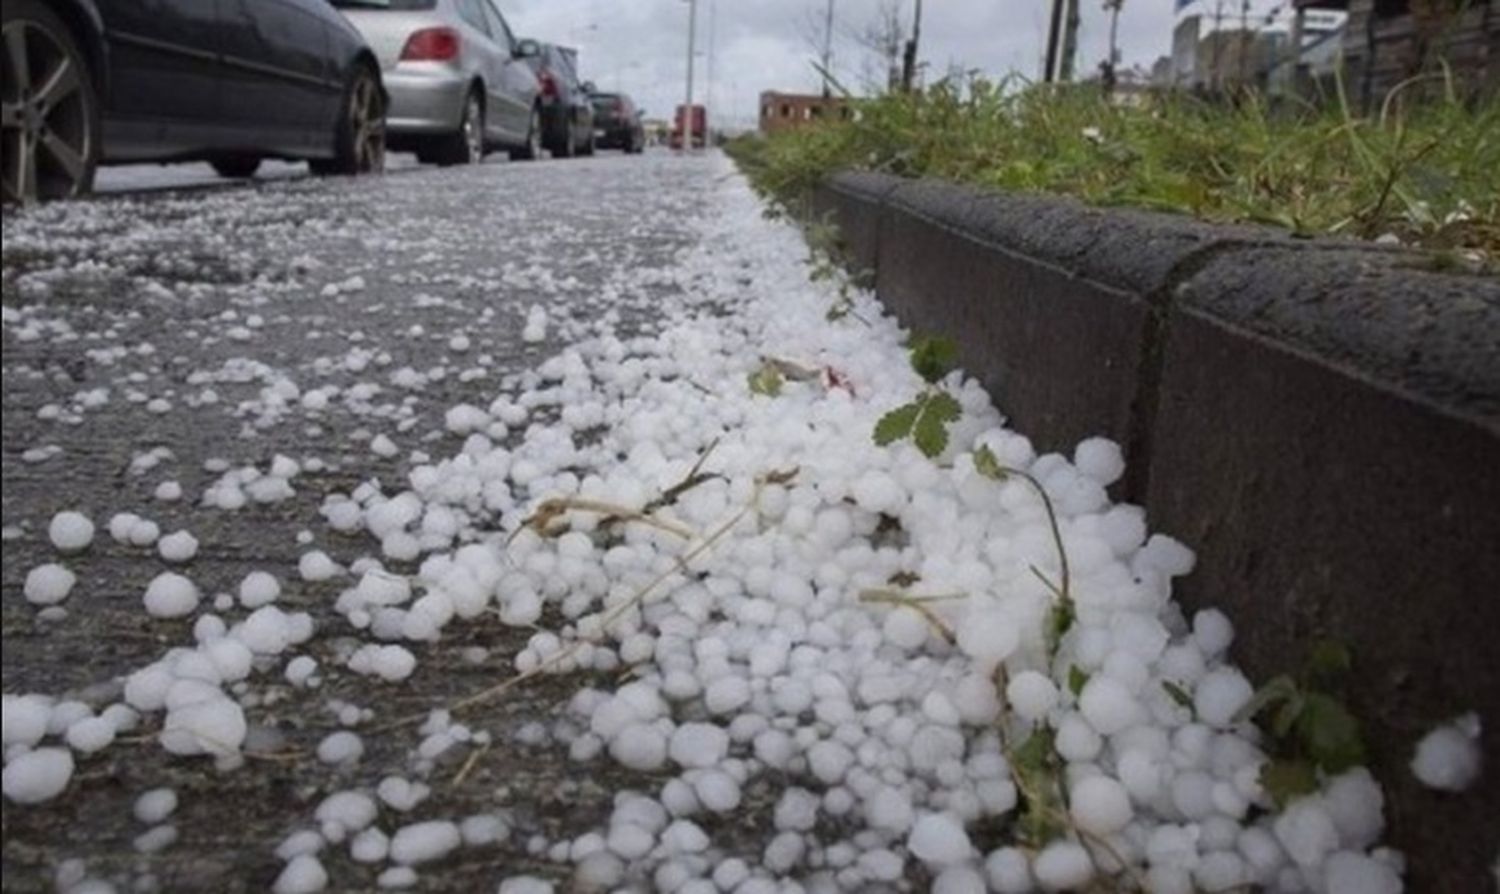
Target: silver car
[(458, 81)]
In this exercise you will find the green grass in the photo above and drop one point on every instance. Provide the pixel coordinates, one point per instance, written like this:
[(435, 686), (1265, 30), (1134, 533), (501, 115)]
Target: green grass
[(1426, 168)]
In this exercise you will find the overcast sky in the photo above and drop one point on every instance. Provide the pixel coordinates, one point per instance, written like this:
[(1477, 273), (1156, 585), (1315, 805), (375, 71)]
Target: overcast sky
[(641, 45)]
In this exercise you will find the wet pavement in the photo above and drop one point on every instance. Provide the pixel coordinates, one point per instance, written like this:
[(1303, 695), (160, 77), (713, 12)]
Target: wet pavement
[(159, 336)]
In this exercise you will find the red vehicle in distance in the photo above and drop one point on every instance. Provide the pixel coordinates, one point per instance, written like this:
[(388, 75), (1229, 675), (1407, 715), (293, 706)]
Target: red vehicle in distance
[(699, 122)]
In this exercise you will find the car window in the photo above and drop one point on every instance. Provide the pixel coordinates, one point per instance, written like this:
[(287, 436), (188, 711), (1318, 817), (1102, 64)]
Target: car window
[(498, 27), (472, 12)]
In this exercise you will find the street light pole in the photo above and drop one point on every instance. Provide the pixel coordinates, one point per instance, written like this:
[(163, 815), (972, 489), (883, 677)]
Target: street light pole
[(709, 112), (909, 55), (828, 51), (1054, 39), (687, 106)]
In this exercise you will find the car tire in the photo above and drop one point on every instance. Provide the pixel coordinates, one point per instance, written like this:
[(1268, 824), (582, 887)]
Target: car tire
[(359, 135), (567, 147), (532, 149), (52, 152), (464, 146), (236, 167)]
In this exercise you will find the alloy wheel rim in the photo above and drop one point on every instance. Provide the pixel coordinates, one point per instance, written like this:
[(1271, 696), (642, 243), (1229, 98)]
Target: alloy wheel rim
[(471, 131), (368, 127), (47, 133)]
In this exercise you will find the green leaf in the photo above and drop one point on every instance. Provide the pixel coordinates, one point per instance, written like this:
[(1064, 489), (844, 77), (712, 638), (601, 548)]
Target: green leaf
[(1327, 661), (1034, 766), (987, 465), (932, 356), (1286, 715), (1329, 733), (1059, 621), (1035, 754), (1178, 694), (1285, 780), (1077, 679), (767, 380), (1277, 689), (930, 430), (897, 424)]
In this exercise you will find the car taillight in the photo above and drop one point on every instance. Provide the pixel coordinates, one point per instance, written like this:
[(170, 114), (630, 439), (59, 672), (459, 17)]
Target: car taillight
[(431, 45), (548, 83)]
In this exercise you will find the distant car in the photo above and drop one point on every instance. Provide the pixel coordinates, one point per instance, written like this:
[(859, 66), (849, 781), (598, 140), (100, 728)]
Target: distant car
[(567, 113), (88, 83), (617, 123), (697, 120), (459, 81)]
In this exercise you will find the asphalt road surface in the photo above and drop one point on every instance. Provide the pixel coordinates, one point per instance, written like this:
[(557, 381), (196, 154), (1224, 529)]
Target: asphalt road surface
[(157, 335)]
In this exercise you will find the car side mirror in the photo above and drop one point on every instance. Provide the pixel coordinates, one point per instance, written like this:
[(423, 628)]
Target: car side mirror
[(528, 49), (588, 87)]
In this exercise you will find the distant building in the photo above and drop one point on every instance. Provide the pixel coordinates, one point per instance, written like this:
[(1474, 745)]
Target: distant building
[(656, 130), (784, 111), (1133, 86), (1161, 72), (1227, 52), (1319, 55), (1184, 60), (1387, 41)]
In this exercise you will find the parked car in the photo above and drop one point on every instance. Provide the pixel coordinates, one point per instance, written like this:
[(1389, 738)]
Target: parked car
[(87, 82), (459, 81), (567, 113), (617, 122)]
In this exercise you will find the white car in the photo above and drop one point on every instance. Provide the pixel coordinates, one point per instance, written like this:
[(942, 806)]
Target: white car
[(459, 81)]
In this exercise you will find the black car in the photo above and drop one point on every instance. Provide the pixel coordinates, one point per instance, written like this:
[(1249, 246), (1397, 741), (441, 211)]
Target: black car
[(567, 113), (90, 82), (617, 122)]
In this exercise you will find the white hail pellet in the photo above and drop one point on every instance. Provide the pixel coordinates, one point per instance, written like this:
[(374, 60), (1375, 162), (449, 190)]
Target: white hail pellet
[(1448, 758), (70, 531), (48, 584)]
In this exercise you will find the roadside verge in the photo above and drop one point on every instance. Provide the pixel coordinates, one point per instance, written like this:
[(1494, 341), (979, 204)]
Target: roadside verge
[(1318, 419)]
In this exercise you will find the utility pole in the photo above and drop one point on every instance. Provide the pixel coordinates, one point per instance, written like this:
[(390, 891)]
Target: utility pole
[(828, 50), (1070, 42), (1245, 43), (1054, 35), (909, 57), (708, 100), (1110, 73), (1216, 80), (687, 105)]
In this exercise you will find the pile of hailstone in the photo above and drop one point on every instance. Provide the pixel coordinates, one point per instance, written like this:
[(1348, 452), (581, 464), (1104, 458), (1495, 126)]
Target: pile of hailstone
[(858, 630), (759, 661)]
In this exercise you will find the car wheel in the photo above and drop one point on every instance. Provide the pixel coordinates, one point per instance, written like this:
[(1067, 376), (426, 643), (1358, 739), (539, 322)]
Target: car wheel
[(51, 112), (359, 138), (466, 145), (533, 147), (236, 167)]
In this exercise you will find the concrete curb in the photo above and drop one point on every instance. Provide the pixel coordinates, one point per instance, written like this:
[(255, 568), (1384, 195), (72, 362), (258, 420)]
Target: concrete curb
[(1318, 419)]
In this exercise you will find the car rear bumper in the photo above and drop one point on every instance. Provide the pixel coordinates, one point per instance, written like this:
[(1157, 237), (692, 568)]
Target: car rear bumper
[(612, 137), (424, 101)]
